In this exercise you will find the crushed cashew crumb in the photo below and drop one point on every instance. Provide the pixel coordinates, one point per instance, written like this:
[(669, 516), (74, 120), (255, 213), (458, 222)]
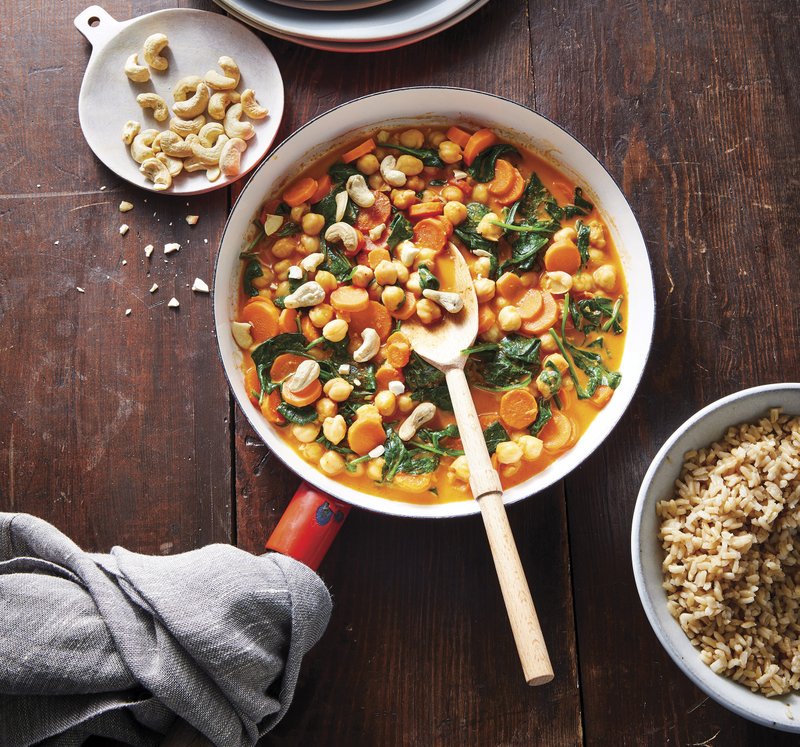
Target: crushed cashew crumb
[(125, 206), (56, 243), (192, 219), (378, 451), (79, 289), (128, 312), (124, 228), (173, 303), (154, 287), (171, 247), (102, 189), (199, 286), (148, 250), (124, 261)]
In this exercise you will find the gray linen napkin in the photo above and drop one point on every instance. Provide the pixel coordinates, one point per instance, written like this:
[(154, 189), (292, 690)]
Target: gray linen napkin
[(117, 645)]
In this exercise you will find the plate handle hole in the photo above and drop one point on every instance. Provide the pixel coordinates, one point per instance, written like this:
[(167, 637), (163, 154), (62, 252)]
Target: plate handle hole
[(94, 21)]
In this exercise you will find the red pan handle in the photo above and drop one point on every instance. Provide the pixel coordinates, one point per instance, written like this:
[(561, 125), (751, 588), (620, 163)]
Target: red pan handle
[(307, 528)]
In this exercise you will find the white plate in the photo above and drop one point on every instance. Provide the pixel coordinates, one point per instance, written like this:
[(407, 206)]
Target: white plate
[(398, 18), (196, 41), (330, 5), (404, 107), (377, 46)]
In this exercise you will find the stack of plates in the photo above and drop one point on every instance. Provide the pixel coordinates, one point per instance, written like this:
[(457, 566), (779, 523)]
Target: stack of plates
[(351, 25)]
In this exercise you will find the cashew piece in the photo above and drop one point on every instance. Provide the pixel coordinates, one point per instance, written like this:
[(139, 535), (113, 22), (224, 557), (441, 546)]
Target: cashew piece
[(251, 107), (194, 106), (219, 82), (209, 157), (210, 133), (213, 174), (311, 262), (451, 302), (220, 101), (156, 103), (174, 165), (136, 72), (306, 372), (236, 128), (151, 49), (391, 175), (341, 204), (308, 294), (157, 173), (421, 414), (242, 333), (172, 144), (407, 252), (186, 87), (230, 158), (229, 67), (370, 345), (142, 146), (345, 233), (190, 165), (186, 127), (359, 192), (130, 130)]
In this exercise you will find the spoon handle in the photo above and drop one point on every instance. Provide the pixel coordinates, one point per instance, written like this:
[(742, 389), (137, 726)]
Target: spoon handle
[(485, 484)]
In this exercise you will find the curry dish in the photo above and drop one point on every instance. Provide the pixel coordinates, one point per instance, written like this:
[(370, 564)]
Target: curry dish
[(357, 245)]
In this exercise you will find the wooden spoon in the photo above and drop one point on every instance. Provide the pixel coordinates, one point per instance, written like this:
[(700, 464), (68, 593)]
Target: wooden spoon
[(441, 346)]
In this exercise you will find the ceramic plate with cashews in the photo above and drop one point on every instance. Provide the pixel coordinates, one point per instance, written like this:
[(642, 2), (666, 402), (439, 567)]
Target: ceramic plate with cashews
[(197, 39)]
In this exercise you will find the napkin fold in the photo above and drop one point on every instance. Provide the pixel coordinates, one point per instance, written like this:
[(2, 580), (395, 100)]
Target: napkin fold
[(117, 645)]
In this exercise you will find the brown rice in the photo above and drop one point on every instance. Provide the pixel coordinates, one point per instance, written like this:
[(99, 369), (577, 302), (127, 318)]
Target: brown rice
[(731, 568)]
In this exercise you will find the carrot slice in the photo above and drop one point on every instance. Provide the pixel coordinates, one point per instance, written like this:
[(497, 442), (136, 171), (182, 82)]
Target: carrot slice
[(563, 256), (557, 432), (504, 175), (601, 396), (251, 384), (324, 184), (430, 233), (269, 408), (486, 318), (285, 365), (350, 298), (448, 225), (518, 408), (385, 374), (413, 483), (514, 193), (374, 315), (530, 305), (458, 136), (376, 256), (263, 315), (373, 216), (288, 320), (487, 418), (308, 394), (310, 332), (360, 150), (509, 286), (478, 142), (546, 318), (406, 311), (301, 191), (425, 209), (398, 354), (397, 337), (365, 434)]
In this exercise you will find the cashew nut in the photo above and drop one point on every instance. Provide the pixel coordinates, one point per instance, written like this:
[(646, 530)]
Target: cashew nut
[(210, 133), (421, 414), (251, 107), (186, 87), (359, 192), (306, 372), (345, 233), (194, 106), (407, 252), (234, 127), (220, 101), (311, 262), (219, 82), (151, 51), (130, 130), (213, 174), (308, 294), (391, 175), (230, 158), (174, 165), (242, 333), (376, 231), (190, 165), (209, 157), (136, 72), (229, 67), (370, 345), (172, 144), (142, 146), (340, 200), (185, 127), (451, 302), (156, 103), (157, 173)]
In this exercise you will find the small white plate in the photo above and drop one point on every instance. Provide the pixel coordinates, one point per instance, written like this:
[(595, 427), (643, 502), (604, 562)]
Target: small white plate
[(196, 41)]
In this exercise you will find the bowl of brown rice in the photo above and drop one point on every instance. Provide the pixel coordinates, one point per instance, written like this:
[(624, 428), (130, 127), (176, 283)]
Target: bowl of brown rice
[(715, 544)]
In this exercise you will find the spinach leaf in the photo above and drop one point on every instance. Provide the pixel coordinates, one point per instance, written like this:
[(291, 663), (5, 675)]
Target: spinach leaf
[(580, 206), (427, 279), (289, 228), (437, 183), (434, 438), (427, 384), (326, 207), (482, 169), (583, 241), (299, 415), (468, 232), (592, 314), (591, 363), (534, 195), (522, 349), (340, 172), (399, 230), (493, 435), (544, 416), (428, 156), (336, 263), (266, 353), (252, 271), (398, 458), (334, 447), (524, 252), (507, 364)]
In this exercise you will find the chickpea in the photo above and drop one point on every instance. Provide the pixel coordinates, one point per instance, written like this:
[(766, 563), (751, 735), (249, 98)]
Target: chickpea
[(368, 165), (331, 463), (375, 468), (386, 273), (312, 223), (405, 404), (320, 314), (436, 138), (357, 470), (493, 334), (326, 408), (328, 282), (393, 297), (489, 230), (480, 193), (529, 279), (381, 153), (606, 278), (402, 271), (410, 165), (309, 244), (283, 248), (334, 330), (283, 289), (508, 452), (449, 151), (484, 289), (455, 212), (596, 256), (501, 302), (415, 183), (558, 361), (583, 282), (386, 402), (548, 344), (565, 234), (297, 213), (374, 292), (264, 280), (282, 269), (451, 194), (548, 382), (412, 139), (312, 452), (427, 311), (383, 136), (338, 389), (597, 234), (375, 181), (334, 429), (413, 285), (403, 199), (425, 257), (460, 468), (306, 433), (509, 470), (531, 447), (362, 276), (509, 319), (429, 195), (481, 267)]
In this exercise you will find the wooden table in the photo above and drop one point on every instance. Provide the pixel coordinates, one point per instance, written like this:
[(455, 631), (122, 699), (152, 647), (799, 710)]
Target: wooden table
[(121, 430)]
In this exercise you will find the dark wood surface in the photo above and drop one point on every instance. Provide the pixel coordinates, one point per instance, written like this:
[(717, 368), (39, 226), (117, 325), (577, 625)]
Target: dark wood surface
[(121, 430)]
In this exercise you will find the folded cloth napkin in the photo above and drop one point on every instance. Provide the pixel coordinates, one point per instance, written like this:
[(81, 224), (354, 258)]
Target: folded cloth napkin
[(118, 645)]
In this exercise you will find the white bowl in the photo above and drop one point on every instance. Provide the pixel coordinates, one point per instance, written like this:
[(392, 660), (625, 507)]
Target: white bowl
[(701, 430), (432, 105)]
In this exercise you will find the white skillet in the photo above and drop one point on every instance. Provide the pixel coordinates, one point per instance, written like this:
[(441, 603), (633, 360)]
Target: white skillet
[(196, 41)]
